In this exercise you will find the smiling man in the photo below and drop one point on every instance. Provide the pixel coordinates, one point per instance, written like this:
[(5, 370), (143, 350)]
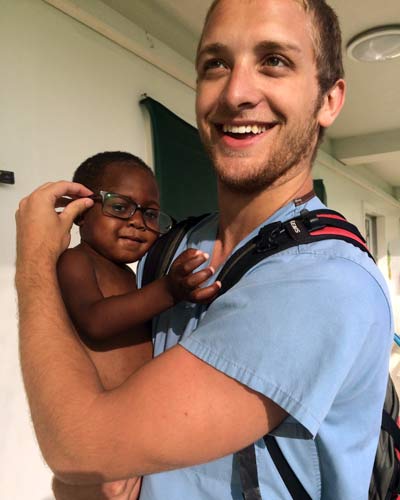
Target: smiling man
[(299, 347)]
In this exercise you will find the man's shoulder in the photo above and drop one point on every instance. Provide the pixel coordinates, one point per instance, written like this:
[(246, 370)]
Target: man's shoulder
[(332, 269)]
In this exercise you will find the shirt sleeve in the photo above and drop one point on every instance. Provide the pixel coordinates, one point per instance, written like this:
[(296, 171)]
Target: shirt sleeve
[(292, 329)]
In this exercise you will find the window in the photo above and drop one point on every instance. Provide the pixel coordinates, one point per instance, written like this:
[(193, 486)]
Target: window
[(371, 234)]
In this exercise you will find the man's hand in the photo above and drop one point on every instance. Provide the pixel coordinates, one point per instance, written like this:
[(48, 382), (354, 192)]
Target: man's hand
[(184, 284), (42, 233)]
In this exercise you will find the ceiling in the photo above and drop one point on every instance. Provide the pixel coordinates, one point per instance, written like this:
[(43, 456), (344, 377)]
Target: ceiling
[(367, 133)]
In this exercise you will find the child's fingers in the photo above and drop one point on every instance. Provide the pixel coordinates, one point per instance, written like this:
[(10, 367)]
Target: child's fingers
[(196, 279), (189, 260), (206, 294)]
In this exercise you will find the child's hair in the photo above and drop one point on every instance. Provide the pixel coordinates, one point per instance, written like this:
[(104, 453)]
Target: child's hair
[(90, 173)]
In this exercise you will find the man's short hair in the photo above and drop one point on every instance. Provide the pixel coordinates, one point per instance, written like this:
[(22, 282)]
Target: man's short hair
[(91, 172), (327, 41)]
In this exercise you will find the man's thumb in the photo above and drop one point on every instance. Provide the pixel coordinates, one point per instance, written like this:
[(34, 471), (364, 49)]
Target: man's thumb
[(75, 208)]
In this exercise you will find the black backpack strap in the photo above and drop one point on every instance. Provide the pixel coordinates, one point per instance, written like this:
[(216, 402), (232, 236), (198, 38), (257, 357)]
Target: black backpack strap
[(248, 473), (390, 426), (160, 255), (292, 483), (273, 238)]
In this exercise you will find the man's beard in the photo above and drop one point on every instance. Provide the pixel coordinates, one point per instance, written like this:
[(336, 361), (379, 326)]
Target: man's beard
[(296, 146)]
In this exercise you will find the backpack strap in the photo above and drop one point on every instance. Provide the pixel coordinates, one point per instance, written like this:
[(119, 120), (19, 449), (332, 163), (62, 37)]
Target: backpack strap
[(273, 238), (248, 475), (292, 483), (390, 426), (160, 255)]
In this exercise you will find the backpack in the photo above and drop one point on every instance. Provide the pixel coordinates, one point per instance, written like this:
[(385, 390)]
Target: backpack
[(311, 226)]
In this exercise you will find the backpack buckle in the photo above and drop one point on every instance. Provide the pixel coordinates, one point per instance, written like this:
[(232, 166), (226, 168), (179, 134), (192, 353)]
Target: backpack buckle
[(311, 222), (267, 237)]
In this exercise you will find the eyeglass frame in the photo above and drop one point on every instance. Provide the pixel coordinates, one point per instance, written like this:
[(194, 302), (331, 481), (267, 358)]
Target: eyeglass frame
[(101, 196)]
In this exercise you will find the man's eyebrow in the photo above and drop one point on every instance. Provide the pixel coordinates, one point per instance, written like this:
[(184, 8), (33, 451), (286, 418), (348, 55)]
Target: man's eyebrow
[(211, 48), (277, 46)]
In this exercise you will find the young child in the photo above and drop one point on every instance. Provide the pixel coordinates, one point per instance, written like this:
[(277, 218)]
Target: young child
[(112, 317)]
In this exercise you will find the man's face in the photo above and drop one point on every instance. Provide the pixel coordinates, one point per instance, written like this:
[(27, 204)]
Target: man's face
[(257, 95)]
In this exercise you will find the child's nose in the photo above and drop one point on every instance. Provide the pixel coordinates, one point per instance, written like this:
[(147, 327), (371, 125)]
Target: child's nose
[(137, 221)]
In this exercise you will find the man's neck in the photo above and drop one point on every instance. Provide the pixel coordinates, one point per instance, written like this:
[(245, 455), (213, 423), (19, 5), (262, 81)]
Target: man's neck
[(241, 213)]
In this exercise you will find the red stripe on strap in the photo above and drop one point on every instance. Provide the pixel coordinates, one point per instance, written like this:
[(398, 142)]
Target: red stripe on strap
[(332, 216), (339, 232), (396, 450)]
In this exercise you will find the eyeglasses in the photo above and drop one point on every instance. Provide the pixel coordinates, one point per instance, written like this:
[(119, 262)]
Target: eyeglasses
[(123, 207)]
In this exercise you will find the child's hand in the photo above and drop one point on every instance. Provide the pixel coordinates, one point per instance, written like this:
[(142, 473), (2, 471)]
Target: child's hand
[(184, 284)]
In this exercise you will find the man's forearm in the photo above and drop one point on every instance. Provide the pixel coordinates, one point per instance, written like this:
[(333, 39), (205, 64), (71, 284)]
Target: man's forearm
[(55, 367)]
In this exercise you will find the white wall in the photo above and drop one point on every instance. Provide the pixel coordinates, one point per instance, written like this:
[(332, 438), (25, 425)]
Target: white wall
[(66, 93)]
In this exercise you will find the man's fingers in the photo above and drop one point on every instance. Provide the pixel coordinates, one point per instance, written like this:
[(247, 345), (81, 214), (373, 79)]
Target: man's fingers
[(58, 194), (75, 208), (65, 188), (42, 233)]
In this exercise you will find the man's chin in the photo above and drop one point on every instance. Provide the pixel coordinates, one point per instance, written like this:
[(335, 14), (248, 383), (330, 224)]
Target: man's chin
[(245, 185)]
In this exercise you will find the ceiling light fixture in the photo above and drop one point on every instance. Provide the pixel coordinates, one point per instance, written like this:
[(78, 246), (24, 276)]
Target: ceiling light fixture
[(375, 45)]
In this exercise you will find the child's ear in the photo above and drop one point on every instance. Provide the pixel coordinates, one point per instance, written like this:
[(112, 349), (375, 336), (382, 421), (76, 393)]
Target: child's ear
[(79, 220)]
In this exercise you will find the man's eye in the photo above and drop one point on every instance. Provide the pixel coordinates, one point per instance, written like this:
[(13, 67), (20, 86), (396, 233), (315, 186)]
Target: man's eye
[(274, 61), (213, 64)]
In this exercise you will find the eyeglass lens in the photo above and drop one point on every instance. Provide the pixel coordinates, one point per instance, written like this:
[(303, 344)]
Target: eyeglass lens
[(124, 209)]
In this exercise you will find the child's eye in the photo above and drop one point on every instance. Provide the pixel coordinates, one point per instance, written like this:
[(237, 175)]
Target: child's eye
[(151, 215), (119, 208)]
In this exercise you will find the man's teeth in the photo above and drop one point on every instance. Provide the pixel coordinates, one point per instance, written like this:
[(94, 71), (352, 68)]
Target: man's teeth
[(244, 129)]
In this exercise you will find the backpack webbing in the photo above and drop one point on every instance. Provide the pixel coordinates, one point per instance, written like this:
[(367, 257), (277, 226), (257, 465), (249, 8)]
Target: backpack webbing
[(162, 252)]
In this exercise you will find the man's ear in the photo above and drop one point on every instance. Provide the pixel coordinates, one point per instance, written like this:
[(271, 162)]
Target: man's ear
[(332, 104)]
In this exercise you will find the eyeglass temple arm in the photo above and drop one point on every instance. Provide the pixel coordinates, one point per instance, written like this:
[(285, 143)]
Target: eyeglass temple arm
[(95, 197)]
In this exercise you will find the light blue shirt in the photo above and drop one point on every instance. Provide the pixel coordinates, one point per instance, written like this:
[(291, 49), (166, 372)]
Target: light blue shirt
[(309, 328)]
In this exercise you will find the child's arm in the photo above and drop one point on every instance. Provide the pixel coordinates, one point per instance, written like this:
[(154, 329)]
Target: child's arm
[(100, 317)]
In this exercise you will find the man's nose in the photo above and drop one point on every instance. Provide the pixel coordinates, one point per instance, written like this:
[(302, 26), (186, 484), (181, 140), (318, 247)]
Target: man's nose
[(242, 89)]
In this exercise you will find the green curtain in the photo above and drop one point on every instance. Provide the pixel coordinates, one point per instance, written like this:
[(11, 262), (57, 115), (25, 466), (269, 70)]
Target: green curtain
[(184, 173)]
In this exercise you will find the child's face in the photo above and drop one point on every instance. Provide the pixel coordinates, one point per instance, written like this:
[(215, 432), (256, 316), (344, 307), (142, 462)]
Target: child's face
[(122, 240)]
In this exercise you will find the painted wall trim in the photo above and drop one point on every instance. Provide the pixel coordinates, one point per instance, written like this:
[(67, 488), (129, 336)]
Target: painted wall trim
[(334, 165), (153, 52)]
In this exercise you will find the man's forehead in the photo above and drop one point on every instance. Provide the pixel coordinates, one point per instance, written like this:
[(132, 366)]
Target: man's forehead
[(248, 16), (302, 3)]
